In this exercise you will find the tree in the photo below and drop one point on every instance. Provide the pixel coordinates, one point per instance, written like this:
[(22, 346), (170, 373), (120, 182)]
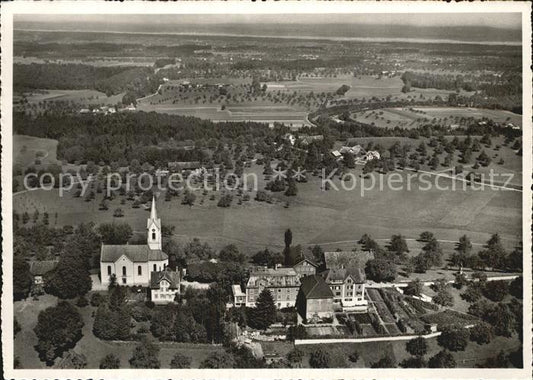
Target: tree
[(231, 253), (71, 278), (287, 250), (218, 359), (264, 313), (481, 333), (58, 329), (180, 361), (453, 338), (112, 320), (443, 359), (385, 362), (296, 332), (380, 270), (464, 245), (417, 346), (398, 245), (22, 278), (115, 233), (443, 298), (145, 355), (502, 318), (292, 190), (426, 236), (295, 356), (516, 288), (110, 361), (413, 362), (413, 288), (496, 290), (118, 213), (188, 198), (320, 358)]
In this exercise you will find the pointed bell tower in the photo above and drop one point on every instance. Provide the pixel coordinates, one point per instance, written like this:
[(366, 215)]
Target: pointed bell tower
[(153, 227)]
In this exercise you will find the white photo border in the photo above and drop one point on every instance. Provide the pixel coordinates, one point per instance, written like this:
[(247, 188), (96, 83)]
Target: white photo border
[(236, 7)]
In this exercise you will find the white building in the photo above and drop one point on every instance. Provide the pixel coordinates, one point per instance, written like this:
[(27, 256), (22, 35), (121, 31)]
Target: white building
[(164, 286), (132, 264)]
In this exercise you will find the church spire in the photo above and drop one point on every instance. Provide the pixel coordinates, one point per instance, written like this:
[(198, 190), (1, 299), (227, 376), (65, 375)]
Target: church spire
[(153, 212), (153, 226)]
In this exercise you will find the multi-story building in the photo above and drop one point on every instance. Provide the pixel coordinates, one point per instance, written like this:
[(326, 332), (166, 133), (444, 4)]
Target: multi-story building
[(305, 267), (164, 286), (283, 284), (348, 288)]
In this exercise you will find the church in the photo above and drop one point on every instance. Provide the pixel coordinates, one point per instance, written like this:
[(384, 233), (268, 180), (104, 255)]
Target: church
[(133, 264)]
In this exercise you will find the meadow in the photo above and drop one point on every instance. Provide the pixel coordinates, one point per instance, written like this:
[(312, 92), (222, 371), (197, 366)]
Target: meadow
[(82, 97), (334, 219), (413, 117)]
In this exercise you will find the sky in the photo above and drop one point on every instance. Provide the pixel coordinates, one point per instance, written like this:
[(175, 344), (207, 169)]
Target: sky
[(497, 20)]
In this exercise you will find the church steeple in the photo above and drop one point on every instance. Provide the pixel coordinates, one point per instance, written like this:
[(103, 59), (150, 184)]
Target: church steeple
[(153, 226)]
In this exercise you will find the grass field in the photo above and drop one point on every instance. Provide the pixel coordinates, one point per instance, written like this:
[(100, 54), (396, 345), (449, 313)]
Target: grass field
[(336, 219), (416, 116), (27, 148), (94, 349), (82, 97)]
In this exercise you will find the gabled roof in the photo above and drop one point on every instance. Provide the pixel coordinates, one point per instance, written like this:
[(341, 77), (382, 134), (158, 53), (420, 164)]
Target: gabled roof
[(315, 287), (342, 274), (280, 277), (40, 268), (136, 253), (172, 277), (301, 259), (347, 259)]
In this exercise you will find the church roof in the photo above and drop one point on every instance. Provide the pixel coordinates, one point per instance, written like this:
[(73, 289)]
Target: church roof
[(136, 253), (173, 279)]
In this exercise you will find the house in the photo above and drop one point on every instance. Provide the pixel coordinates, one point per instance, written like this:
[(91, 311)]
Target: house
[(306, 140), (356, 150), (164, 286), (348, 288), (289, 137), (38, 270), (305, 267), (283, 284), (239, 298), (315, 299), (346, 278), (336, 154), (372, 155), (184, 165), (132, 264)]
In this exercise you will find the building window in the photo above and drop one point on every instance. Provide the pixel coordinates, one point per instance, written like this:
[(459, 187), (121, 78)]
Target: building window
[(124, 271), (153, 234), (139, 270), (155, 295), (123, 280), (109, 270)]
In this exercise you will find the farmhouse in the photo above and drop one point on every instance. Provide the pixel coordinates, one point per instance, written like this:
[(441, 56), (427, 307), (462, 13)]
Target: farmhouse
[(239, 298), (164, 286), (356, 150), (132, 264), (305, 267), (39, 269), (315, 299), (372, 155)]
